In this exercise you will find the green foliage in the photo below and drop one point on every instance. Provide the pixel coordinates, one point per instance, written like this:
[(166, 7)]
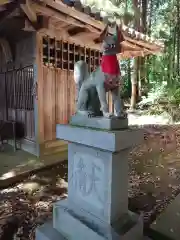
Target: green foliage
[(126, 67), (162, 70), (114, 9), (155, 94), (126, 89), (173, 93), (163, 99)]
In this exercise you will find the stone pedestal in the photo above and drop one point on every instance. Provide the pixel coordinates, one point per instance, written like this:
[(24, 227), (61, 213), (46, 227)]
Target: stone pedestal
[(99, 122), (97, 204)]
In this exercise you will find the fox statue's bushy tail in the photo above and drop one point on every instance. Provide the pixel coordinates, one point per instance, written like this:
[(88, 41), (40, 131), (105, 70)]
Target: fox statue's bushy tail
[(80, 74)]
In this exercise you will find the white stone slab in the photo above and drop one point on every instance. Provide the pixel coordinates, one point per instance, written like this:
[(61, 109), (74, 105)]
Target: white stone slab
[(99, 122), (168, 223), (73, 227), (98, 181), (113, 141)]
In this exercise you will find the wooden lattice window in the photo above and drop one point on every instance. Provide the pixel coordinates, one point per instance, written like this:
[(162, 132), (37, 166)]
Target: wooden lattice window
[(63, 55)]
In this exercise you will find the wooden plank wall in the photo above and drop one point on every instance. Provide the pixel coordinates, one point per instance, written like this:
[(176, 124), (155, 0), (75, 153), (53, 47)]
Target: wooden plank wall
[(49, 90), (58, 106), (65, 95), (59, 99)]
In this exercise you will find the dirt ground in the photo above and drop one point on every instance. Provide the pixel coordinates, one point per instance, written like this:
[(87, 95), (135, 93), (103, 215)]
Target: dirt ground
[(154, 180)]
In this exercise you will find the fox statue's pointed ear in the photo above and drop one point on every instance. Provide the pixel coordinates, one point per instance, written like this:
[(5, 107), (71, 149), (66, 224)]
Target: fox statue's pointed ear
[(102, 35)]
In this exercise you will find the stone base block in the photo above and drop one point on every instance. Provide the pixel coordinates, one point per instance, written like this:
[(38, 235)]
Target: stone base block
[(71, 226), (113, 141), (47, 232), (99, 122)]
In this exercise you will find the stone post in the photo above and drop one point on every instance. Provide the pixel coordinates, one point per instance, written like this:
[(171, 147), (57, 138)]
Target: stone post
[(97, 203)]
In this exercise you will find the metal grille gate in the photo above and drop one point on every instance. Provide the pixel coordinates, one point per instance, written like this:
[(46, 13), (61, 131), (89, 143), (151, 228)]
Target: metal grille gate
[(16, 99)]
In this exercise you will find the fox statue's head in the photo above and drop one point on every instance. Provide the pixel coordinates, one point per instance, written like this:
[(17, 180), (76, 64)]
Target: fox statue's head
[(111, 44)]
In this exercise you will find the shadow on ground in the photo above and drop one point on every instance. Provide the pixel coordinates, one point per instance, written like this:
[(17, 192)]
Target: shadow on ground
[(14, 162)]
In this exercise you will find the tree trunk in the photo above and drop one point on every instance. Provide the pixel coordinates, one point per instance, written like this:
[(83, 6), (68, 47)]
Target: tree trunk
[(134, 80), (178, 37), (150, 6), (134, 83), (142, 65), (174, 52), (144, 16)]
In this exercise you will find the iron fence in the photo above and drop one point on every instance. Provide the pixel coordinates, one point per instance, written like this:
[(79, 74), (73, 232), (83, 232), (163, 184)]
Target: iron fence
[(16, 99)]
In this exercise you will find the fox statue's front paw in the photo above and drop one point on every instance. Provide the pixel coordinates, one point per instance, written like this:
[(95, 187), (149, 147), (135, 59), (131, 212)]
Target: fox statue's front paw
[(86, 113), (107, 114), (91, 114), (122, 115)]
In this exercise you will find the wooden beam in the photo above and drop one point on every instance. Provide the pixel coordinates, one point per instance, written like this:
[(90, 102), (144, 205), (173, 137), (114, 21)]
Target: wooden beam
[(55, 14), (29, 11), (60, 24), (73, 13), (59, 34), (42, 22), (130, 45), (143, 44), (76, 30), (132, 54), (60, 16), (84, 35)]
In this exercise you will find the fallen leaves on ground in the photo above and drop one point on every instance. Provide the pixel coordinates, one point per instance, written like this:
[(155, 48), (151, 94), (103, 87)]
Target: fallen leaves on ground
[(154, 180), (155, 171)]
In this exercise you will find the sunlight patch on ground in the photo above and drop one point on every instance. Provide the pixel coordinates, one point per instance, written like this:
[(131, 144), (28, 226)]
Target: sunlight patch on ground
[(9, 190), (42, 178), (8, 175), (30, 187), (29, 163), (43, 204), (62, 183), (136, 119)]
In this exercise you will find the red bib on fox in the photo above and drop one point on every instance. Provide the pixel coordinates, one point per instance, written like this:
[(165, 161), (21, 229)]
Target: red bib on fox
[(110, 64)]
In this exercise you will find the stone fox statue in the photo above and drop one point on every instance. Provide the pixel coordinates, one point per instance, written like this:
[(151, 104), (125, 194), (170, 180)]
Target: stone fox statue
[(92, 88)]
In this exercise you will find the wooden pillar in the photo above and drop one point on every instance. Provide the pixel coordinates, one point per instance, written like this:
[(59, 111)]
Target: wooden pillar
[(39, 99)]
